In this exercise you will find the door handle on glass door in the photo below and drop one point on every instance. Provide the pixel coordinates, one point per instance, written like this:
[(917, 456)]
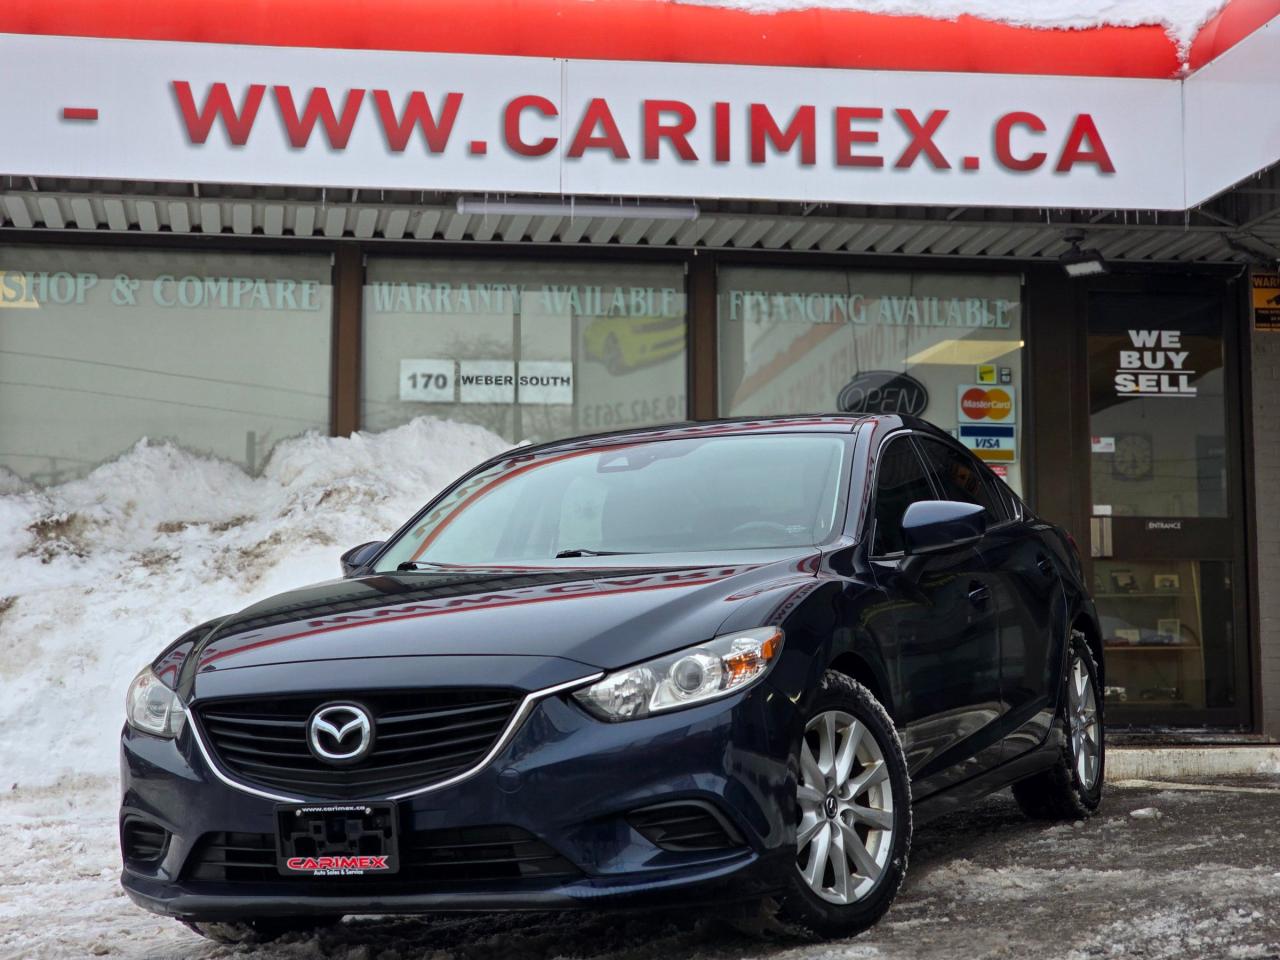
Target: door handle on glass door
[(979, 593)]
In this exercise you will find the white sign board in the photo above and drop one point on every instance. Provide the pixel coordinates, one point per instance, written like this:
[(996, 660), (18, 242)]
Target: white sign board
[(1232, 126), (545, 381), (426, 381), (152, 110), (486, 381)]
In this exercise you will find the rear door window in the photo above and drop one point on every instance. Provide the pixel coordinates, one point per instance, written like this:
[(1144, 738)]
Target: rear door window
[(959, 477)]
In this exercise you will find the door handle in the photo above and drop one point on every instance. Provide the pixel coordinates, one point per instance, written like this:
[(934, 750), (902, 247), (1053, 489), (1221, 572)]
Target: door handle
[(1045, 564), (979, 593)]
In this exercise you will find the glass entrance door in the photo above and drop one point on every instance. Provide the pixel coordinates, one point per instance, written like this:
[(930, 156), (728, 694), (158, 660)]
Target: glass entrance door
[(1165, 533)]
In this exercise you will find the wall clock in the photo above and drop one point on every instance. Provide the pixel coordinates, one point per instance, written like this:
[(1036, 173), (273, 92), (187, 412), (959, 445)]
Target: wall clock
[(1133, 458)]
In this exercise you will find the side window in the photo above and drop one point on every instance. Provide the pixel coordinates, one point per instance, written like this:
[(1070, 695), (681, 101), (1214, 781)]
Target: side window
[(960, 478), (900, 482)]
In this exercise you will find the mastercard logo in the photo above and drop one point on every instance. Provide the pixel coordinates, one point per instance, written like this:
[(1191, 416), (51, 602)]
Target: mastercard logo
[(979, 404)]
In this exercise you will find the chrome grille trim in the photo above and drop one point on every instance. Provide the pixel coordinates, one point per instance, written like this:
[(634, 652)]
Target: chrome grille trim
[(526, 707)]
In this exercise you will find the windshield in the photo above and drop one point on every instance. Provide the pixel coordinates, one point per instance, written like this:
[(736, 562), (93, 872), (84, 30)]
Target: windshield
[(670, 496)]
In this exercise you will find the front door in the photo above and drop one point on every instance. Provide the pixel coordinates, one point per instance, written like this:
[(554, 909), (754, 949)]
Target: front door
[(1026, 597), (941, 621), (1166, 534)]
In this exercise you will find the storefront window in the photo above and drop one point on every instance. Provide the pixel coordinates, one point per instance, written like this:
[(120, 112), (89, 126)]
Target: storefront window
[(533, 351), (226, 354), (943, 346), (1167, 630), (1161, 530)]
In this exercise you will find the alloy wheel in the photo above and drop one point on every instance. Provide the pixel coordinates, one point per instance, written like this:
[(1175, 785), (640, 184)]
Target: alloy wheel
[(1086, 731), (845, 798)]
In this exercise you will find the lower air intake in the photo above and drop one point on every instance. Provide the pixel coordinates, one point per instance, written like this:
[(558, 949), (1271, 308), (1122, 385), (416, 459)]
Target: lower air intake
[(685, 827), (142, 842)]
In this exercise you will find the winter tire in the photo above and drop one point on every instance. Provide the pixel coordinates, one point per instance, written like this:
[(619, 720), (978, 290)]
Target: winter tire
[(853, 813), (258, 931), (1072, 788)]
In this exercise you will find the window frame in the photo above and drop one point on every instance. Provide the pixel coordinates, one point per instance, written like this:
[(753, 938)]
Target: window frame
[(908, 436)]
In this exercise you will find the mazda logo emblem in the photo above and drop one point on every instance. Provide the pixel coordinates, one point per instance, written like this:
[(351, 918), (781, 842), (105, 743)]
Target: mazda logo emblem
[(340, 733)]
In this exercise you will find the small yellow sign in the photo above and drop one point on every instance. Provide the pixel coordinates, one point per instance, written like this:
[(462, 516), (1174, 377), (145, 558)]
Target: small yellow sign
[(1266, 301), (986, 373)]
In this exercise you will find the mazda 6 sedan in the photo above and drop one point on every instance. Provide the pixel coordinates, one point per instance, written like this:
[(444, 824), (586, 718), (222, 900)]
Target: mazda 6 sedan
[(727, 662)]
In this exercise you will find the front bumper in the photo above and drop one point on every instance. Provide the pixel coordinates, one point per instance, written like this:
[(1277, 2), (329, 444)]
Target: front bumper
[(565, 778)]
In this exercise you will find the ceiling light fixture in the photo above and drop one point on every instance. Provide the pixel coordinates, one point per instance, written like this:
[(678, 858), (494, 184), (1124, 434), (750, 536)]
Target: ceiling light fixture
[(572, 209), (1078, 262), (965, 352)]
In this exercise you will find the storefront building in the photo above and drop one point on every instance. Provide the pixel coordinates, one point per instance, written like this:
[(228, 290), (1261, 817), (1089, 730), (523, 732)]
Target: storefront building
[(231, 231)]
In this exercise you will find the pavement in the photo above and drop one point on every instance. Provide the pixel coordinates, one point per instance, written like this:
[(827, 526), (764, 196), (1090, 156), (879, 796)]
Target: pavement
[(1177, 869)]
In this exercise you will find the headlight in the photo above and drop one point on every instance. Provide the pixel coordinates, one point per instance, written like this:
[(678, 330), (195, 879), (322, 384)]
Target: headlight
[(152, 707), (695, 675)]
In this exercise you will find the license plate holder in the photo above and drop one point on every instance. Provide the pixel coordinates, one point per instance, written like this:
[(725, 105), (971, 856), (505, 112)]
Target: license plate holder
[(337, 840)]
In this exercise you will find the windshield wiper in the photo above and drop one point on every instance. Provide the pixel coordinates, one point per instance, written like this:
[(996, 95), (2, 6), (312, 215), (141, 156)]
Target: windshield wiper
[(419, 564), (583, 552)]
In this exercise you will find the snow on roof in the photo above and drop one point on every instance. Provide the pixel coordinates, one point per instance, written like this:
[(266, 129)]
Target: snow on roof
[(1181, 19)]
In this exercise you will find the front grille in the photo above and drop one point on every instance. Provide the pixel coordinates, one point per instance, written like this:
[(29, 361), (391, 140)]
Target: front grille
[(684, 828), (142, 842), (421, 737), (430, 860)]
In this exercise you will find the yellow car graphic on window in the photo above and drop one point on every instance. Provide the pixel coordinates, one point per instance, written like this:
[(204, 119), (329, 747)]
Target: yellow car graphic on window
[(626, 343)]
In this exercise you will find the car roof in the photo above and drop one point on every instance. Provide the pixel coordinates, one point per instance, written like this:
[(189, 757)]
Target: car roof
[(815, 423), (733, 426)]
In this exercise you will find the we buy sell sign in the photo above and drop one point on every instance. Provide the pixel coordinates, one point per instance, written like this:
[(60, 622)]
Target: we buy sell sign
[(149, 110)]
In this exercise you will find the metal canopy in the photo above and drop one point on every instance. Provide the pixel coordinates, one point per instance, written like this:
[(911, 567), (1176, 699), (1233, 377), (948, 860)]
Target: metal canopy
[(1242, 225)]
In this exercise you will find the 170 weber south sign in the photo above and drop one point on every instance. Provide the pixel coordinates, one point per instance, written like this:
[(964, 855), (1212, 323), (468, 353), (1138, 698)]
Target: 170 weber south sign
[(149, 110)]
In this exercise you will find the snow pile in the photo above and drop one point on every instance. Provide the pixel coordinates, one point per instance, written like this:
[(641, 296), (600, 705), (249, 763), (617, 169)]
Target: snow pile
[(102, 573), (1181, 19)]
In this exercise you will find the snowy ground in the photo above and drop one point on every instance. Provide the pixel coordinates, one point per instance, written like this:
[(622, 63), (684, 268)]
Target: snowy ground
[(1201, 879)]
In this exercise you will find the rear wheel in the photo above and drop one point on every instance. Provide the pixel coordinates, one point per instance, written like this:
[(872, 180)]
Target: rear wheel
[(853, 807), (1072, 788), (260, 930)]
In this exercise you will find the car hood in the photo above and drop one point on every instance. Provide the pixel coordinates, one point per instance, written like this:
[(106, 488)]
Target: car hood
[(605, 616)]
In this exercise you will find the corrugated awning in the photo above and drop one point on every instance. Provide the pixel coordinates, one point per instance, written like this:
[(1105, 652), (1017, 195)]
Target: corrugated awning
[(1242, 225)]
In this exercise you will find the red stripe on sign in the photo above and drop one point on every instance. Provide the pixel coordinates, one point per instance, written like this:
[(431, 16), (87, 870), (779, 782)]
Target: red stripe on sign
[(653, 30), (79, 113)]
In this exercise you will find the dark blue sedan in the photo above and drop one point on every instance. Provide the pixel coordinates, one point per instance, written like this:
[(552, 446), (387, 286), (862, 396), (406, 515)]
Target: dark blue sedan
[(720, 662)]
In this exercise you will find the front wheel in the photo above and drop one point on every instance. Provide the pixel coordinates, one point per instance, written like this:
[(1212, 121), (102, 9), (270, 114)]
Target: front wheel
[(1072, 788), (853, 809)]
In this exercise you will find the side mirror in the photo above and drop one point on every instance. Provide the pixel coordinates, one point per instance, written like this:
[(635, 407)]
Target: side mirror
[(931, 526), (355, 558)]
